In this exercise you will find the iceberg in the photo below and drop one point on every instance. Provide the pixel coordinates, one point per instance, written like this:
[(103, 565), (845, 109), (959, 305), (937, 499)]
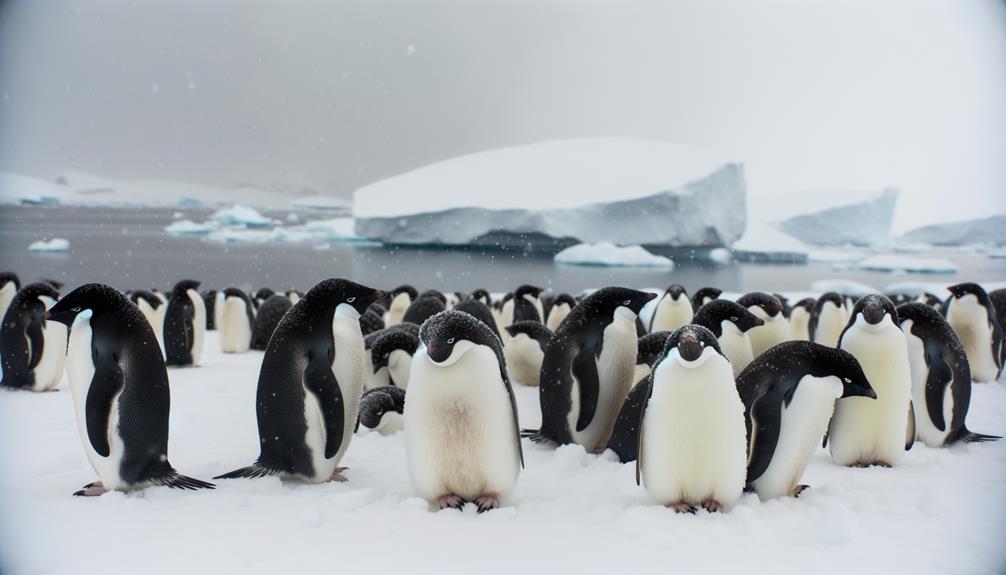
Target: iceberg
[(763, 243), (555, 194), (336, 229), (259, 236), (854, 218), (989, 231), (53, 245), (190, 228), (608, 254), (18, 189), (241, 215), (896, 263)]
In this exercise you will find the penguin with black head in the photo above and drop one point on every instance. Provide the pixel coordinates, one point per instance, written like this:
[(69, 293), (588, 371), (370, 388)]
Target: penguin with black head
[(32, 349), (730, 322), (973, 316), (184, 325)]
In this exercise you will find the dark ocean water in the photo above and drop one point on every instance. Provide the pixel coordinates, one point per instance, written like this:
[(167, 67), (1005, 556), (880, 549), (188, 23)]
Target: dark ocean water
[(128, 248)]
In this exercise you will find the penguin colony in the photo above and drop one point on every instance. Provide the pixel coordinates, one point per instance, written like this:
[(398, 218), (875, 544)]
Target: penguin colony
[(709, 397)]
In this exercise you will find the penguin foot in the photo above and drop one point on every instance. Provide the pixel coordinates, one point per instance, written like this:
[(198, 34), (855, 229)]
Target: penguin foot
[(882, 464), (93, 484), (450, 501), (800, 489), (712, 506), (338, 476), (681, 507), (91, 490), (487, 502)]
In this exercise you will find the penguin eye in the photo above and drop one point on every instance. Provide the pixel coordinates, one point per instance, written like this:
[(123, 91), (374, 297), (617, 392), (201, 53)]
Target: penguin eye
[(734, 318), (627, 302), (847, 380), (702, 344), (75, 310), (350, 299), (450, 341)]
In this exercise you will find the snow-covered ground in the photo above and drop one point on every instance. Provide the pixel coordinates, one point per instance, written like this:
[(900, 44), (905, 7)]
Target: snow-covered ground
[(941, 511)]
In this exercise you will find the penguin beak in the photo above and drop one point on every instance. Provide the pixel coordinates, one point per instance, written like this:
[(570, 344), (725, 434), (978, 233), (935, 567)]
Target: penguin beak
[(873, 314), (676, 291), (649, 297), (689, 348)]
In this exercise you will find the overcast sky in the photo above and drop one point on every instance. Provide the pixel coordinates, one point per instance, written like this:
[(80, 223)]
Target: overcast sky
[(810, 94)]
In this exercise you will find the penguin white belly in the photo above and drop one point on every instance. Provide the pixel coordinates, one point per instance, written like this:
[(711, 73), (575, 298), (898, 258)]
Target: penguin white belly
[(399, 366), (374, 380), (641, 371), (49, 370), (523, 360), (506, 315), (802, 426), (970, 322), (459, 428), (234, 329), (694, 446), (7, 293), (155, 317), (867, 431), (218, 308), (396, 311), (925, 431), (799, 320), (671, 314), (391, 423), (615, 368), (348, 369), (736, 345), (80, 372), (775, 331), (556, 315), (830, 323), (198, 324)]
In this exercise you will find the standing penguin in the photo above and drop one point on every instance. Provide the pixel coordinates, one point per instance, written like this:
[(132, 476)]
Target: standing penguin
[(973, 316), (381, 411), (184, 325), (864, 431), (648, 350), (392, 351), (210, 303), (691, 442), (704, 296), (372, 320), (237, 323), (768, 308), (461, 435), (730, 323), (561, 306), (827, 319), (120, 392), (998, 299), (261, 295), (941, 377), (526, 305), (9, 284), (588, 367), (525, 350), (153, 309), (310, 384), (799, 319), (481, 312), (421, 309), (673, 310), (269, 315), (401, 298), (789, 395), (483, 296), (32, 349)]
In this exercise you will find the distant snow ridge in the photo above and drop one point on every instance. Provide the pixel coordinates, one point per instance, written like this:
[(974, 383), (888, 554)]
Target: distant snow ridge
[(608, 254), (989, 231), (858, 219), (898, 263), (556, 193), (53, 245)]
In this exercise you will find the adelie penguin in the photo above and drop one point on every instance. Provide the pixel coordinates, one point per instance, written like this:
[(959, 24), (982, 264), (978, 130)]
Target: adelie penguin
[(401, 298), (483, 296), (525, 350), (866, 431), (691, 442), (481, 312), (768, 308), (827, 319), (269, 315), (673, 310), (392, 352), (153, 309), (210, 303), (184, 325), (524, 305), (421, 309), (730, 322), (704, 296), (381, 411), (9, 284), (32, 349), (973, 316), (799, 319), (789, 395), (120, 392), (310, 384), (588, 367), (461, 436), (941, 377), (561, 306), (237, 322)]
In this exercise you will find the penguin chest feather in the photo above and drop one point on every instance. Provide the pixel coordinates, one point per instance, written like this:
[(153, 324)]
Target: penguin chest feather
[(523, 359), (925, 430), (971, 322), (615, 368), (234, 329), (49, 370), (736, 345)]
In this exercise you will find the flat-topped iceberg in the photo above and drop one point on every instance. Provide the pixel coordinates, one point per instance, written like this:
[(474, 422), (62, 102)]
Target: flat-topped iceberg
[(989, 231), (608, 254), (560, 193), (53, 245)]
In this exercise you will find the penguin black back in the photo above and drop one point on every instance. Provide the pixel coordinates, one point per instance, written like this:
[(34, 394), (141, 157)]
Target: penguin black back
[(210, 302), (269, 316), (378, 401), (481, 312), (22, 335), (179, 327), (712, 315), (767, 302), (421, 309), (533, 329), (651, 346), (699, 297), (524, 310)]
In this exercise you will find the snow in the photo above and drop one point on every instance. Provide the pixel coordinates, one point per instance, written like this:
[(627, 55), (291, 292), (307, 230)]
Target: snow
[(608, 254), (18, 189), (762, 242), (897, 263), (189, 228), (53, 245), (241, 215), (619, 190), (938, 512), (839, 217)]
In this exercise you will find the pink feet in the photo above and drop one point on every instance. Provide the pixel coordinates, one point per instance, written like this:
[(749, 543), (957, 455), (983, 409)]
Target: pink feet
[(712, 506), (681, 507), (487, 502), (338, 476), (91, 490), (450, 501), (800, 489)]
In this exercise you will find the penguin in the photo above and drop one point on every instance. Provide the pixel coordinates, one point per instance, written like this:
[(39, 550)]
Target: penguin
[(768, 308), (435, 294), (730, 323), (184, 325), (381, 411), (525, 350), (401, 298), (310, 384), (462, 441), (526, 305), (269, 315), (865, 431), (261, 295), (704, 296), (899, 299), (294, 296), (692, 448), (503, 311), (371, 321), (218, 310), (973, 316), (827, 319), (210, 303), (588, 367), (237, 323), (799, 319), (789, 394), (481, 295), (673, 310), (481, 312), (561, 306), (32, 349), (421, 309), (648, 349), (934, 301), (941, 377), (393, 352), (120, 392), (153, 309), (998, 299), (9, 284)]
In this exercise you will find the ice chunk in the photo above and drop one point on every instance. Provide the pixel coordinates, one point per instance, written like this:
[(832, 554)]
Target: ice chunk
[(259, 236), (339, 229), (990, 231), (190, 228), (763, 243), (562, 192), (608, 254), (856, 218), (53, 245), (242, 215), (896, 263)]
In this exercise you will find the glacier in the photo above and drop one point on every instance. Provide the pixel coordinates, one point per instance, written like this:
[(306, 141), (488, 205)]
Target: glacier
[(989, 231), (559, 193)]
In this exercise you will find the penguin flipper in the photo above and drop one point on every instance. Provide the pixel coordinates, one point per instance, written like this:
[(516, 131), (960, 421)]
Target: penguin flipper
[(646, 392), (36, 337), (910, 432), (624, 439), (251, 472), (937, 381), (766, 422), (106, 383), (584, 368), (320, 380)]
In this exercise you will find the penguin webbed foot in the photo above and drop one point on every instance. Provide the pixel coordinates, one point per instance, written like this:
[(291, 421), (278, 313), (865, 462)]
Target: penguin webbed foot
[(712, 506), (681, 507), (450, 501), (487, 502), (337, 475), (799, 489), (92, 489)]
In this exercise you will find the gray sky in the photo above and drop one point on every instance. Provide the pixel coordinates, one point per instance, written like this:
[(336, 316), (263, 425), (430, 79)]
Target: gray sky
[(862, 93)]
